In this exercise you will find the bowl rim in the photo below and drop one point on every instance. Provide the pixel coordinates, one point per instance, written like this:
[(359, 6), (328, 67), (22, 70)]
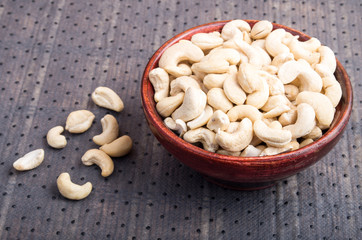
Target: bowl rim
[(155, 119)]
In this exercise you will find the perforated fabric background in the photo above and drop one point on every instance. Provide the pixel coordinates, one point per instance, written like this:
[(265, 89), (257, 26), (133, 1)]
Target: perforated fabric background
[(53, 54)]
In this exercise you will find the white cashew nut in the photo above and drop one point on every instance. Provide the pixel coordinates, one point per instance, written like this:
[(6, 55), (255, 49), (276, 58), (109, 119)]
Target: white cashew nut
[(282, 58), (244, 111), (272, 137), (332, 88), (305, 121), (305, 50), (260, 96), (250, 151), (178, 126), (70, 190), (107, 98), (202, 119), (207, 41), (214, 80), (55, 139), (30, 160), (291, 91), (119, 147), (218, 120), (274, 101), (234, 27), (305, 142), (181, 84), (79, 121), (101, 159), (328, 58), (110, 130), (315, 133), (160, 81), (288, 118), (203, 135), (232, 88), (217, 99), (167, 106), (276, 87), (274, 44), (261, 29)]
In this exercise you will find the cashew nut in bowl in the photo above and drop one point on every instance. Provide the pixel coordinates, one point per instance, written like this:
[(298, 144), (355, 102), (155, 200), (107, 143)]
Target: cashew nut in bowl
[(332, 88), (282, 58), (181, 84), (119, 147), (160, 81), (178, 126), (203, 135), (248, 77), (55, 139), (314, 134), (193, 105), (289, 117), (182, 51), (250, 151), (305, 121), (232, 89), (214, 80), (328, 58), (107, 98), (70, 190), (79, 121), (233, 27), (276, 86), (219, 120), (260, 96), (244, 111), (277, 111), (100, 158), (217, 99), (275, 150), (167, 106), (110, 130), (291, 91), (305, 142), (272, 137), (274, 44), (207, 41), (261, 29), (202, 119), (305, 50), (30, 160)]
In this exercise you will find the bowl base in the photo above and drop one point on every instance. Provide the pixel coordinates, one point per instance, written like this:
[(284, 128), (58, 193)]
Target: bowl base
[(247, 186)]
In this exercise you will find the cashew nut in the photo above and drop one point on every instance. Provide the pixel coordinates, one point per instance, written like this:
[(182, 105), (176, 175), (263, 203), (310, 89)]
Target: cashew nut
[(276, 86), (119, 147), (203, 135), (277, 111), (260, 96), (256, 55), (55, 139), (291, 91), (167, 106), (218, 120), (79, 121), (332, 88), (160, 81), (271, 69), (202, 119), (282, 58), (305, 121), (315, 133), (250, 151), (248, 77), (274, 44), (272, 137), (207, 41), (322, 106), (232, 89), (181, 84), (274, 101), (214, 80), (178, 126), (217, 99), (231, 28), (305, 142), (70, 190), (327, 58), (288, 118), (275, 150), (244, 111), (107, 98), (305, 50), (101, 159), (110, 130), (237, 140), (193, 104), (260, 43), (182, 51), (261, 29), (30, 160)]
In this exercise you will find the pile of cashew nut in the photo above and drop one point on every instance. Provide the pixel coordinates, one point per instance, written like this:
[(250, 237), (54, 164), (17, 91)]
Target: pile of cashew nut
[(78, 122), (247, 91)]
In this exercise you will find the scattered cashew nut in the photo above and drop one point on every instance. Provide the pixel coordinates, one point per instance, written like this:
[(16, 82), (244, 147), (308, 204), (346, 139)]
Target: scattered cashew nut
[(79, 121), (30, 160), (119, 147), (70, 190), (110, 130), (55, 139), (107, 98), (100, 158)]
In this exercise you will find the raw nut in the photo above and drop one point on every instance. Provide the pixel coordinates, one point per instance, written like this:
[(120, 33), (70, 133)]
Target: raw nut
[(30, 160), (110, 130), (55, 139), (101, 159), (119, 147), (79, 121), (107, 98), (70, 190)]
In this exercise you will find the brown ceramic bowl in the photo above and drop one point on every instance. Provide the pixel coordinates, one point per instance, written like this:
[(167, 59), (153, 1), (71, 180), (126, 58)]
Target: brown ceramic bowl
[(240, 172)]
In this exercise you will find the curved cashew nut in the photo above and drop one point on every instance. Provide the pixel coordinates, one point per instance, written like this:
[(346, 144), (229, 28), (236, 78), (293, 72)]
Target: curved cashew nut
[(276, 125), (328, 58), (274, 44), (231, 28), (261, 29), (107, 98), (55, 139), (322, 106), (224, 152), (282, 58), (260, 96), (178, 126), (181, 84), (202, 119), (217, 61), (305, 121), (70, 190), (160, 81), (101, 159), (291, 91), (276, 150), (207, 41), (182, 51), (310, 79), (288, 118), (214, 80), (30, 160), (250, 151), (232, 88), (305, 50), (218, 120), (256, 55), (110, 130), (119, 147), (244, 111), (167, 106), (248, 77), (277, 111), (315, 133), (193, 105), (259, 43), (237, 140), (332, 88), (305, 142), (275, 101), (217, 99), (79, 121), (272, 137), (203, 135), (276, 87)]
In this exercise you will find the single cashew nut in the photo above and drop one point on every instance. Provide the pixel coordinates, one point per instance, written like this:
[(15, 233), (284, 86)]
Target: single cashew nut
[(305, 121), (332, 88), (291, 91), (276, 87), (101, 159), (219, 120), (232, 89), (178, 126), (328, 58), (256, 55), (30, 160), (272, 137), (250, 151), (217, 99), (110, 130), (248, 77), (260, 96), (231, 28), (202, 119), (167, 106), (207, 41), (70, 190), (182, 51), (274, 44), (119, 147), (305, 142), (244, 111), (277, 111), (275, 101), (214, 80), (237, 140), (315, 133), (261, 29), (55, 139), (260, 43), (193, 105), (79, 121), (305, 50), (288, 118), (160, 81), (282, 58), (107, 98), (181, 84), (322, 106), (203, 135)]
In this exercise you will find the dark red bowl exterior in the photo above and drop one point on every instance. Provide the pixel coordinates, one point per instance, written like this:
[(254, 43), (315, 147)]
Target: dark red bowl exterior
[(240, 172)]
